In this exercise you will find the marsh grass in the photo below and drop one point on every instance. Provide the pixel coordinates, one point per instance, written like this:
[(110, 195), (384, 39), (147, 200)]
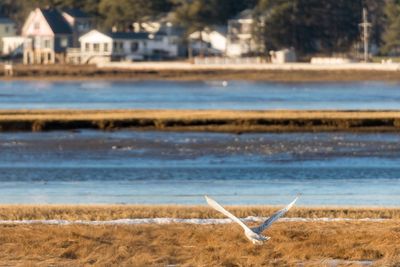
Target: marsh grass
[(91, 72), (112, 212), (292, 244), (200, 120)]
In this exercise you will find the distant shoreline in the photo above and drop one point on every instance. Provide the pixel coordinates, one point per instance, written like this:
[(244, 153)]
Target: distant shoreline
[(230, 121), (91, 72)]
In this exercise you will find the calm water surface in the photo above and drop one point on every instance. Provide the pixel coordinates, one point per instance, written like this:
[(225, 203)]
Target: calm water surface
[(152, 168), (198, 95)]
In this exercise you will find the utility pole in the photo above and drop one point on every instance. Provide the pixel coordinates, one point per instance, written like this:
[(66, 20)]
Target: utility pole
[(365, 25)]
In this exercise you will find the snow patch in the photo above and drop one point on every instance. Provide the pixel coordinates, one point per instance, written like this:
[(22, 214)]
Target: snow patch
[(179, 221)]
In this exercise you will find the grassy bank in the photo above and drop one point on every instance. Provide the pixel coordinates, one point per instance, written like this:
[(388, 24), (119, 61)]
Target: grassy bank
[(91, 72), (292, 244), (200, 120)]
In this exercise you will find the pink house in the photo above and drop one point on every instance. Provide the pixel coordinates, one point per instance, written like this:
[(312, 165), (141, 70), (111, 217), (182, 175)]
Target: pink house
[(47, 36)]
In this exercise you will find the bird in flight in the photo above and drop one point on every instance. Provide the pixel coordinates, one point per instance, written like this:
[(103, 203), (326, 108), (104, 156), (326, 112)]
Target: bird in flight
[(253, 234)]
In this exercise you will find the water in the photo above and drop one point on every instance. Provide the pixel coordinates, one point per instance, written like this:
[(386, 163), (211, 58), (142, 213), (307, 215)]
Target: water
[(239, 95), (179, 168)]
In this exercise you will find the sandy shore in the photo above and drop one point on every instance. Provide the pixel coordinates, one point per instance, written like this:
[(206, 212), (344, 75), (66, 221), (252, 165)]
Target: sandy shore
[(91, 72), (200, 120), (356, 243)]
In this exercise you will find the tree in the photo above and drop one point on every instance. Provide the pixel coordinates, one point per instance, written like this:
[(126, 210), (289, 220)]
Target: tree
[(122, 13), (196, 15), (391, 36), (309, 26), (377, 17)]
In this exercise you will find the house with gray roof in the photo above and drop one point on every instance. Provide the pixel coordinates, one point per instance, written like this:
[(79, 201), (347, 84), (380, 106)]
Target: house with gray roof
[(211, 41), (80, 22), (7, 29), (164, 25), (48, 35), (240, 41), (99, 47)]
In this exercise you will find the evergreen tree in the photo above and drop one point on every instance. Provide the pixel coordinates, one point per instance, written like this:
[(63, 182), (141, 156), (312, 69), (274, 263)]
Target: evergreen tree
[(377, 18), (310, 26), (196, 15), (391, 36), (121, 13)]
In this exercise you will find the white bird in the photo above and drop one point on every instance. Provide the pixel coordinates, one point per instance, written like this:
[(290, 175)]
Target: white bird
[(253, 234)]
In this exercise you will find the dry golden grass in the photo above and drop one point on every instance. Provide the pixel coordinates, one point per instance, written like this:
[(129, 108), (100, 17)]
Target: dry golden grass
[(91, 72), (200, 120), (111, 212), (292, 244), (172, 114)]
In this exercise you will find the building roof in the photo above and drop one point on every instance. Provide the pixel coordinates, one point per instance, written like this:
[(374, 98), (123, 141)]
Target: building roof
[(129, 35), (173, 30), (221, 29), (76, 13), (57, 22), (245, 14), (117, 35)]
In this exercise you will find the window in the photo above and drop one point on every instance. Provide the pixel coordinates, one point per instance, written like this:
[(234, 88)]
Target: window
[(134, 47), (47, 43), (105, 47), (87, 47), (64, 42), (36, 26), (6, 29), (246, 28), (119, 46), (96, 47)]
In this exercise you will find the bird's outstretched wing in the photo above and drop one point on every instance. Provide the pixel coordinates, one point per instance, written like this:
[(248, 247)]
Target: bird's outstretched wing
[(273, 218), (219, 208)]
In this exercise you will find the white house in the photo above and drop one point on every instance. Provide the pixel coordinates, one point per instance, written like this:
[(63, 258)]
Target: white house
[(13, 45), (235, 40), (209, 41), (7, 29), (240, 35), (283, 56), (162, 45), (80, 22), (164, 27), (96, 47)]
